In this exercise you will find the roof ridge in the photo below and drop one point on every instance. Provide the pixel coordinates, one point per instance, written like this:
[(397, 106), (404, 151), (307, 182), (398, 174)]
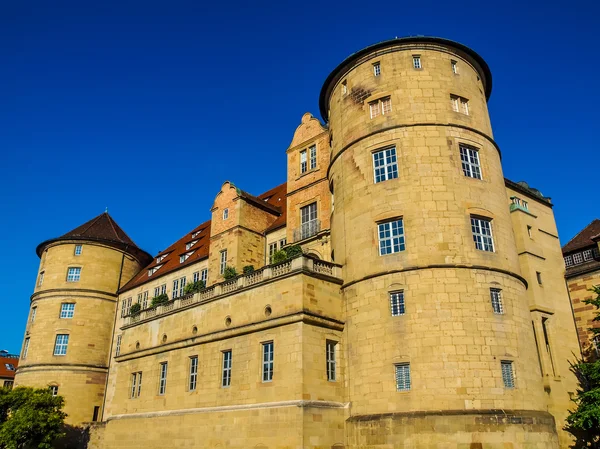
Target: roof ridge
[(93, 222), (115, 226)]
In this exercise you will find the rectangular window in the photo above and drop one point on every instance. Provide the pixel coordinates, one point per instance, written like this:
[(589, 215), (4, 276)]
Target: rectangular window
[(303, 162), (375, 109), (225, 214), (67, 310), (482, 234), (417, 61), (272, 249), (469, 158), (136, 384), (223, 263), (41, 279), (331, 362), (282, 243), (344, 87), (309, 225), (386, 105), (33, 313), (73, 274), (464, 106), (204, 275), (156, 291), (78, 250), (454, 102), (61, 343), (175, 288), (577, 258), (529, 232), (547, 343), (193, 372), (385, 165), (397, 303), (568, 261), (53, 390), (587, 255), (226, 376), (391, 237), (508, 377), (267, 370), (25, 348), (381, 106), (118, 346), (125, 306), (162, 382), (539, 277), (402, 376), (96, 412), (196, 276), (496, 298), (145, 299), (377, 69), (454, 66), (313, 157)]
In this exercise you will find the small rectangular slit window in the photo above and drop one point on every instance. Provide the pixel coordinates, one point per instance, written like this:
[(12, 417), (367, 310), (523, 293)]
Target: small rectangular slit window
[(496, 298), (377, 69), (417, 61), (539, 277), (193, 372), (454, 67), (226, 375), (331, 361), (402, 376), (397, 303), (162, 382), (267, 371), (508, 376)]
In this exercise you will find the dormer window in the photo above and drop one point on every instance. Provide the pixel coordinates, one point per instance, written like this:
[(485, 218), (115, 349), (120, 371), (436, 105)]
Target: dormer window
[(196, 234), (225, 214), (189, 245), (159, 259), (185, 256), (153, 270)]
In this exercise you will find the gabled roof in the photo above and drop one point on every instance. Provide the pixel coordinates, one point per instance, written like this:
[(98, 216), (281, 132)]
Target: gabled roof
[(584, 238), (105, 229)]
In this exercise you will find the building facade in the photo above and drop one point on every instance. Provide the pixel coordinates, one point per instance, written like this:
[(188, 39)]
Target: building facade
[(8, 367), (426, 308), (582, 260)]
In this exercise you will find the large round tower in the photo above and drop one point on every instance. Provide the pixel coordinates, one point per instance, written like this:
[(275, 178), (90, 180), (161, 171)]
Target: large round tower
[(70, 324), (439, 335)]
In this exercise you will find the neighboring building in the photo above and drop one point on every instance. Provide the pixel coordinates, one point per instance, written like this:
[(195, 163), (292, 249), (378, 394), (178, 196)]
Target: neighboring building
[(8, 367), (428, 308), (582, 259)]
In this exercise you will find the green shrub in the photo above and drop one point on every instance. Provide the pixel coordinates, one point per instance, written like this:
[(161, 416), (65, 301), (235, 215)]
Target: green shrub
[(229, 273), (194, 287), (293, 251), (135, 309), (160, 299), (249, 269), (279, 256)]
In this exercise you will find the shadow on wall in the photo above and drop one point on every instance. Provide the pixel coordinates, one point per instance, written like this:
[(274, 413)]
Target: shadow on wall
[(79, 437)]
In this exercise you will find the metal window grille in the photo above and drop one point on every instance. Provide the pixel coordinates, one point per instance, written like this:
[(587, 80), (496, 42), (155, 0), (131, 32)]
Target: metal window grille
[(397, 303), (193, 372), (385, 165), (587, 255), (331, 362), (226, 376), (61, 343), (469, 158), (402, 377), (377, 69), (482, 234), (73, 274), (508, 376), (223, 263), (67, 310), (267, 372), (496, 298), (568, 261), (162, 382), (391, 237), (303, 164), (313, 157), (118, 346), (417, 62), (78, 250)]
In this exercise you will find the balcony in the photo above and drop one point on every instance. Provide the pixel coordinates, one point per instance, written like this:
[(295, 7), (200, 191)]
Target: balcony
[(303, 264), (307, 230)]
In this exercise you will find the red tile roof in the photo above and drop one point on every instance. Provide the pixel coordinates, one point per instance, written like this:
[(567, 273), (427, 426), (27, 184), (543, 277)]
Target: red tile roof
[(102, 228), (4, 371), (276, 201), (584, 238)]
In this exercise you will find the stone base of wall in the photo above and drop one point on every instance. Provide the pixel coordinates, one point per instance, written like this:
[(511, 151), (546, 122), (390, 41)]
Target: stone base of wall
[(461, 429)]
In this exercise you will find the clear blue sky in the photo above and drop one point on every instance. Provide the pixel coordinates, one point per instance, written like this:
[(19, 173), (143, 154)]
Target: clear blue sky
[(147, 107)]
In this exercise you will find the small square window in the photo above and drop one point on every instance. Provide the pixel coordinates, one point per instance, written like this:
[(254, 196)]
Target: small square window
[(67, 310), (417, 62), (402, 377), (587, 255), (568, 261), (577, 258), (377, 69), (225, 214), (508, 376), (78, 250), (53, 390)]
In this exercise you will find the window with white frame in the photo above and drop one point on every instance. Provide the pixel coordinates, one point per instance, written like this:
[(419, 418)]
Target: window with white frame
[(73, 274), (190, 244), (53, 389), (469, 158), (482, 234), (196, 234), (223, 262), (159, 259), (193, 373), (272, 250), (391, 237), (454, 66), (118, 346), (225, 214), (267, 371), (162, 381), (508, 376), (587, 255), (417, 62), (136, 385), (33, 313), (496, 298), (185, 256), (78, 250), (385, 165), (303, 162), (25, 348), (196, 276), (9, 366), (60, 344), (402, 376), (125, 306), (397, 306), (377, 69), (309, 224), (464, 106), (596, 342), (67, 310), (153, 270), (379, 107), (313, 157), (204, 275), (178, 287), (144, 303), (41, 279), (226, 374), (282, 243), (331, 360), (459, 104)]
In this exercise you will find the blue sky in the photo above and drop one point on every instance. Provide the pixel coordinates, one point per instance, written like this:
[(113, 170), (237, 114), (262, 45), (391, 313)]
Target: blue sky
[(147, 107)]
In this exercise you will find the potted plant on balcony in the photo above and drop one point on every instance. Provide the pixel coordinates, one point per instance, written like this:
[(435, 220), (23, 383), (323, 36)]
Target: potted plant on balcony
[(158, 300), (293, 251), (135, 309), (248, 269), (229, 273), (194, 287), (279, 257)]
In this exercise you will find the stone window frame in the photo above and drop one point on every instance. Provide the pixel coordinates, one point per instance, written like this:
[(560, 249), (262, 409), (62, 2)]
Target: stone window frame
[(25, 348), (470, 161), (193, 373), (303, 161), (61, 345), (390, 169), (402, 376), (400, 235), (53, 389), (509, 378), (222, 261), (483, 241), (397, 303), (118, 345), (78, 250), (73, 274), (33, 314), (136, 385), (496, 300), (41, 278), (417, 65), (381, 106), (225, 213), (67, 310), (331, 359), (377, 68), (226, 368), (454, 66), (268, 361), (162, 378)]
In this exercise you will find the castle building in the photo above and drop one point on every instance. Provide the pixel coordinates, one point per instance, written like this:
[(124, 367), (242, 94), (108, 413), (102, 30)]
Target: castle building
[(582, 260), (427, 306)]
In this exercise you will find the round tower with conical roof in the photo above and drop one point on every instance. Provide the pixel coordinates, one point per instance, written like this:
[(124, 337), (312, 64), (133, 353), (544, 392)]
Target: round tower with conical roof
[(69, 329)]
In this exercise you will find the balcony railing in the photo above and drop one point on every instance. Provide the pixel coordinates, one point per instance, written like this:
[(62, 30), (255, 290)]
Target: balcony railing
[(299, 264), (307, 230)]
